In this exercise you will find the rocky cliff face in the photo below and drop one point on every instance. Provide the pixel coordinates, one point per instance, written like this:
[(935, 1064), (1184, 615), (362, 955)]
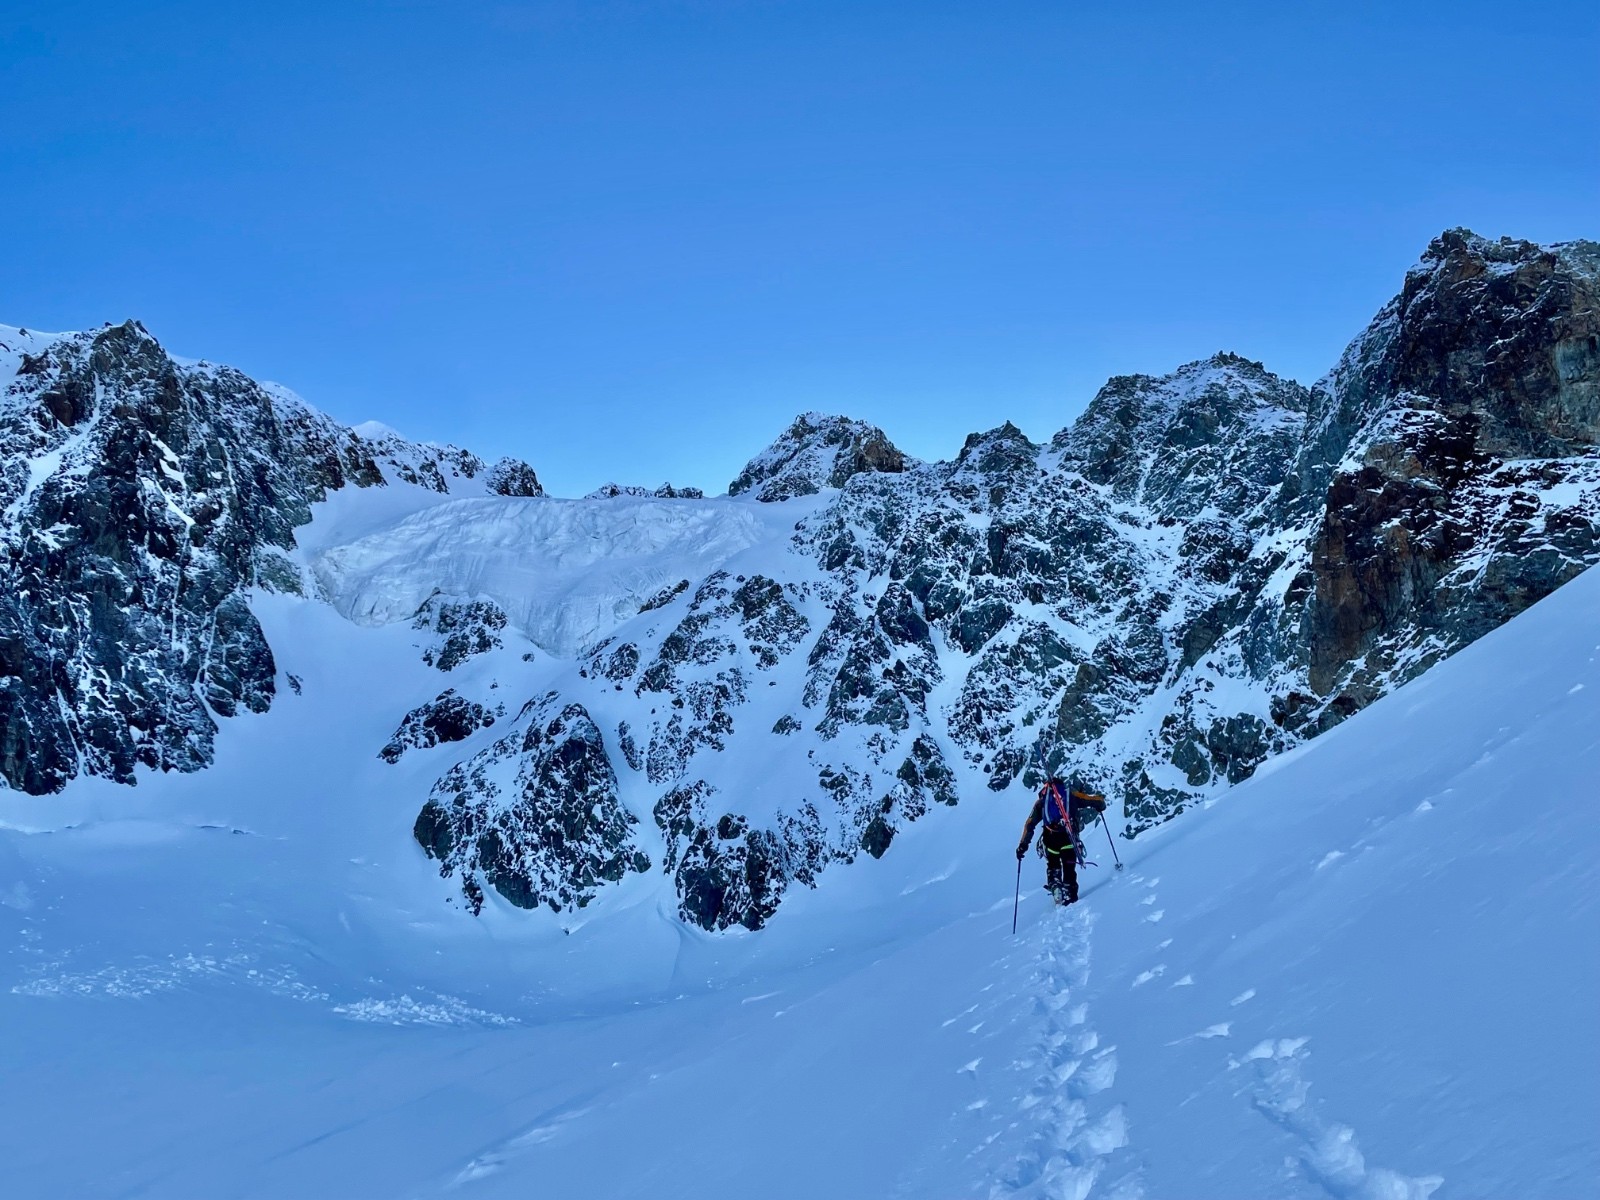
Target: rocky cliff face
[(1443, 453), (142, 501), (1203, 569)]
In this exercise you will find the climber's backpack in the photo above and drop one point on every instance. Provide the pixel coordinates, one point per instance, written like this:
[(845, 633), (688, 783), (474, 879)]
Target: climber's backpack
[(1057, 808)]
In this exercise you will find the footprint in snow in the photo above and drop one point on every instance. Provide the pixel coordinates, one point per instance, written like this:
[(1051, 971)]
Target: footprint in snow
[(1328, 1152), (958, 1016)]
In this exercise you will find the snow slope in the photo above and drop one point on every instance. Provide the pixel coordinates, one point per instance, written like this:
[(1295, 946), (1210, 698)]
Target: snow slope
[(1368, 972)]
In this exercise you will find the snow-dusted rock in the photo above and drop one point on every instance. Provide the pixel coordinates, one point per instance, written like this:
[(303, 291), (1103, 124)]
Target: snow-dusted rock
[(449, 717), (141, 500), (512, 477), (464, 629), (818, 451), (666, 491), (535, 815)]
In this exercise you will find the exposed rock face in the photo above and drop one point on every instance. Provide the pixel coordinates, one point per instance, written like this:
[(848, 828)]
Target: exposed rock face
[(536, 814), (728, 873), (817, 452), (1473, 399), (1070, 582), (447, 718), (666, 491), (465, 628)]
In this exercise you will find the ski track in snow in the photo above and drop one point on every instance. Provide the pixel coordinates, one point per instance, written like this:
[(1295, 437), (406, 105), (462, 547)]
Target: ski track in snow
[(1079, 1127), (1327, 1151)]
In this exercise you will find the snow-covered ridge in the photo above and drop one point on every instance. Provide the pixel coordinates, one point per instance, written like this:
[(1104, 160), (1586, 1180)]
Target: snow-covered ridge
[(1203, 571), (144, 501)]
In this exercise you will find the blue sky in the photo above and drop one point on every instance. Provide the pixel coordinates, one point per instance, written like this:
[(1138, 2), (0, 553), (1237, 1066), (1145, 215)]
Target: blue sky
[(631, 240)]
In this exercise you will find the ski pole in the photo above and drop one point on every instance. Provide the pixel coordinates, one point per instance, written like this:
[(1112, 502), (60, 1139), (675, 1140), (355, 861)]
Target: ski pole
[(1018, 900), (1111, 840)]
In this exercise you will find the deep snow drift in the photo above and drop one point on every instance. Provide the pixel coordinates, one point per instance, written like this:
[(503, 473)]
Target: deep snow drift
[(1370, 971)]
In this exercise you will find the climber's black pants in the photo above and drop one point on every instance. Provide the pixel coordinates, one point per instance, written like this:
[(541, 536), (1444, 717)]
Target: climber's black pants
[(1061, 862)]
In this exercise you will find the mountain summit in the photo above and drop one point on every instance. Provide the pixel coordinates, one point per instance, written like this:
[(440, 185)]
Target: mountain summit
[(816, 452)]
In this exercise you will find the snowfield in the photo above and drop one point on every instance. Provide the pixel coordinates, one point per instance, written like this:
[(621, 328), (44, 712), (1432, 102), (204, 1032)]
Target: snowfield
[(1370, 972)]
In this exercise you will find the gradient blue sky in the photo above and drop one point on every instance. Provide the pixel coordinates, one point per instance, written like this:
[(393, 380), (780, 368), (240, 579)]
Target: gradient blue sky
[(631, 240)]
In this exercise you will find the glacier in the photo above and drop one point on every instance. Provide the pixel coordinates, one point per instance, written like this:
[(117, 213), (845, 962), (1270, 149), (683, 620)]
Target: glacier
[(566, 572)]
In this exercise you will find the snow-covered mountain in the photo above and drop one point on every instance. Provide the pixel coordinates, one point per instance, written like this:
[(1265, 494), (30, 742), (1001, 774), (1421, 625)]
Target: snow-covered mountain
[(143, 500), (1367, 973), (709, 701)]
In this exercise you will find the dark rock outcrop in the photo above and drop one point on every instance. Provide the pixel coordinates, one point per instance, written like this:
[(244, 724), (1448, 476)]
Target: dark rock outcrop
[(464, 629), (610, 491), (535, 815), (446, 718), (1437, 442)]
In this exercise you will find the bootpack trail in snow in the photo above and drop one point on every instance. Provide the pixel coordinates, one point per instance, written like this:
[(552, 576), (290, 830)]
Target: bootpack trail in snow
[(1080, 1130)]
